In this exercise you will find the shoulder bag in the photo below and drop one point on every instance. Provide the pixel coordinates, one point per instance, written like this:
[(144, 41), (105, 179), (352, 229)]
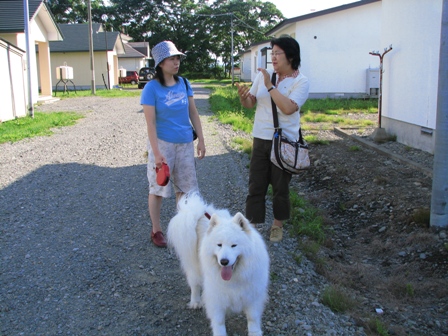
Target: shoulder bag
[(291, 156)]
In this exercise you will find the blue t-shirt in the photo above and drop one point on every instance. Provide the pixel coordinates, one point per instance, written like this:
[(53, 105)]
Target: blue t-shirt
[(172, 110)]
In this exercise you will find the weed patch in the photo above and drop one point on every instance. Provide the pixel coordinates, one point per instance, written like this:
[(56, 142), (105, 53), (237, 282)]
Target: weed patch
[(337, 299), (40, 125)]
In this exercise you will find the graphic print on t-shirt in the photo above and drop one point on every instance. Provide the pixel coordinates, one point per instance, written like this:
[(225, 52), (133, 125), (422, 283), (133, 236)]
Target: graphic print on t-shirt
[(172, 98)]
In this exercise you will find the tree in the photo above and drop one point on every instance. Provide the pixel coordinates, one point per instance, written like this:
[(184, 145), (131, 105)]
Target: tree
[(200, 30), (72, 11)]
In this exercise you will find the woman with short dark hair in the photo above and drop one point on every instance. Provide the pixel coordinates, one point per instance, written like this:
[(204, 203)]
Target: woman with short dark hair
[(289, 93)]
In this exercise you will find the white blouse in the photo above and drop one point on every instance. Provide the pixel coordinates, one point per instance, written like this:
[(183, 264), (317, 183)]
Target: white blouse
[(296, 89)]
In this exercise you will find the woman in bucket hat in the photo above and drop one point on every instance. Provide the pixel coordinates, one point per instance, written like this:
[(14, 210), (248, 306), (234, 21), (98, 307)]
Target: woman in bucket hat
[(170, 110)]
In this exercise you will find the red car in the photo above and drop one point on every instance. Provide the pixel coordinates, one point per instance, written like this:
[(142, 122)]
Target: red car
[(131, 78)]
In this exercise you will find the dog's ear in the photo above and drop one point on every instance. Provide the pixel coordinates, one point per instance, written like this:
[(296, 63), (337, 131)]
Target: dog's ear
[(242, 222), (214, 220)]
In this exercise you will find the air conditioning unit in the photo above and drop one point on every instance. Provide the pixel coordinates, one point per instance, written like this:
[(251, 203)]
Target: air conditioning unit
[(64, 72), (122, 72), (373, 82)]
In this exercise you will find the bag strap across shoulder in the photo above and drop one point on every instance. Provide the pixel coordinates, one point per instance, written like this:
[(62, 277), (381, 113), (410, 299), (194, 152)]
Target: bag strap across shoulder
[(275, 113), (185, 82), (274, 107)]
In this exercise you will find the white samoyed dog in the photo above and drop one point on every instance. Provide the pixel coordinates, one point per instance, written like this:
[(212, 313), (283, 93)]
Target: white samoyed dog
[(223, 256)]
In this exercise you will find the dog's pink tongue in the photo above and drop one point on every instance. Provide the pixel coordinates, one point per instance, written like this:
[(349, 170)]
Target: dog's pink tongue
[(226, 273)]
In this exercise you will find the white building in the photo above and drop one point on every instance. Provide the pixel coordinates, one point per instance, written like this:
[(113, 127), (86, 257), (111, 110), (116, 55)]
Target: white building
[(335, 45)]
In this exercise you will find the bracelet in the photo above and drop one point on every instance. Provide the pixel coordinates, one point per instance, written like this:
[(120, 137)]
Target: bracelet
[(272, 88)]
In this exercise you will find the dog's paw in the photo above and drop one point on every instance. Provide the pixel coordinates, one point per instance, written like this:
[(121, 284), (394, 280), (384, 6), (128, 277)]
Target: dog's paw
[(195, 305)]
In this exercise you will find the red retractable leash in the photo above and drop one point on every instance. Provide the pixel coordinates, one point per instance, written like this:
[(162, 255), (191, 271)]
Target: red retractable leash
[(163, 177)]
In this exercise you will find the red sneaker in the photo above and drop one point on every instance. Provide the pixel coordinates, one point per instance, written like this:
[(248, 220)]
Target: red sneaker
[(158, 239)]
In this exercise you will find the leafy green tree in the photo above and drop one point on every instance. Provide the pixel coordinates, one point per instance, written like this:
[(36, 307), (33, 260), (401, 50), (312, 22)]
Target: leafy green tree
[(72, 11), (248, 21), (201, 30)]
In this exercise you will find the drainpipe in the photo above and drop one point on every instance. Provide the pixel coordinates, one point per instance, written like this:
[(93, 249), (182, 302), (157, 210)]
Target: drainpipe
[(26, 19)]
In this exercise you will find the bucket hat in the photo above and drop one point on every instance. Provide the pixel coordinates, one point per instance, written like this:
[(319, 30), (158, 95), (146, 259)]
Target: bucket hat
[(164, 50)]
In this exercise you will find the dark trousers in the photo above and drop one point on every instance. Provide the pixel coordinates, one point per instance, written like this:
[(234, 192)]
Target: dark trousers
[(262, 173)]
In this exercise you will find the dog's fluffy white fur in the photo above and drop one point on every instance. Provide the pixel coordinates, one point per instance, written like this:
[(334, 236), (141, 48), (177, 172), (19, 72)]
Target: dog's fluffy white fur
[(223, 256)]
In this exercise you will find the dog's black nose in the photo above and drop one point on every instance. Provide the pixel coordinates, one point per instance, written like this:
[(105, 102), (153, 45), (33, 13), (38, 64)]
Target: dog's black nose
[(224, 262)]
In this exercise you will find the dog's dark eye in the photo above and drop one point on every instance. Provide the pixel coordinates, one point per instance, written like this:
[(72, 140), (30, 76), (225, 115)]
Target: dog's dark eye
[(234, 245), (220, 245)]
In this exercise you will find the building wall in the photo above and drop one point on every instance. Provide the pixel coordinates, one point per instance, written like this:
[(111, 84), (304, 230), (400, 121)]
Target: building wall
[(335, 50), (246, 67), (257, 60), (13, 93), (19, 40), (131, 64), (80, 62), (410, 78)]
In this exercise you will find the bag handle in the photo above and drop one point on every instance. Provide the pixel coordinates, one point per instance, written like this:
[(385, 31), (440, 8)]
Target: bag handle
[(275, 113)]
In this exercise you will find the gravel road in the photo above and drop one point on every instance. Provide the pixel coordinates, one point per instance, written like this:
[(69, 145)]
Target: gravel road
[(76, 256)]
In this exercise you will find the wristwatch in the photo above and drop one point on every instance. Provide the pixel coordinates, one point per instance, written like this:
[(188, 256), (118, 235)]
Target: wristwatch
[(272, 88)]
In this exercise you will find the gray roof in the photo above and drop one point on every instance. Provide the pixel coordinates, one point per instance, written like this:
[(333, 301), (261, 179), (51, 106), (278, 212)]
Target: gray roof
[(319, 13), (142, 47), (12, 12), (76, 38), (131, 52)]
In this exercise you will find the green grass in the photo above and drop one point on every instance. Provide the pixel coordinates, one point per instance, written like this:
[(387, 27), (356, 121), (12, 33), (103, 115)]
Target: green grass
[(323, 114), (212, 81), (337, 300), (332, 106), (378, 327), (332, 120), (244, 145), (354, 148), (313, 139), (41, 124), (305, 219), (226, 105), (422, 217), (113, 93)]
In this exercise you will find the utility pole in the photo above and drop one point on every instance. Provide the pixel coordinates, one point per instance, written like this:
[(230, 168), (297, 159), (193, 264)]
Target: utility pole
[(231, 54), (92, 63), (104, 17), (439, 197)]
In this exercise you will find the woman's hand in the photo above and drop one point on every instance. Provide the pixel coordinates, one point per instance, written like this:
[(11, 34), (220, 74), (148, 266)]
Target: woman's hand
[(159, 159), (200, 149), (267, 78), (243, 91)]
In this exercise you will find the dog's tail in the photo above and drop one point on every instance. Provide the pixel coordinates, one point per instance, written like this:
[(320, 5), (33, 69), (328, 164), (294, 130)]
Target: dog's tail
[(184, 228)]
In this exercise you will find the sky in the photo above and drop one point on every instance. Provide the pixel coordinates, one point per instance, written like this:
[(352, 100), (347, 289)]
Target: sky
[(293, 8)]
